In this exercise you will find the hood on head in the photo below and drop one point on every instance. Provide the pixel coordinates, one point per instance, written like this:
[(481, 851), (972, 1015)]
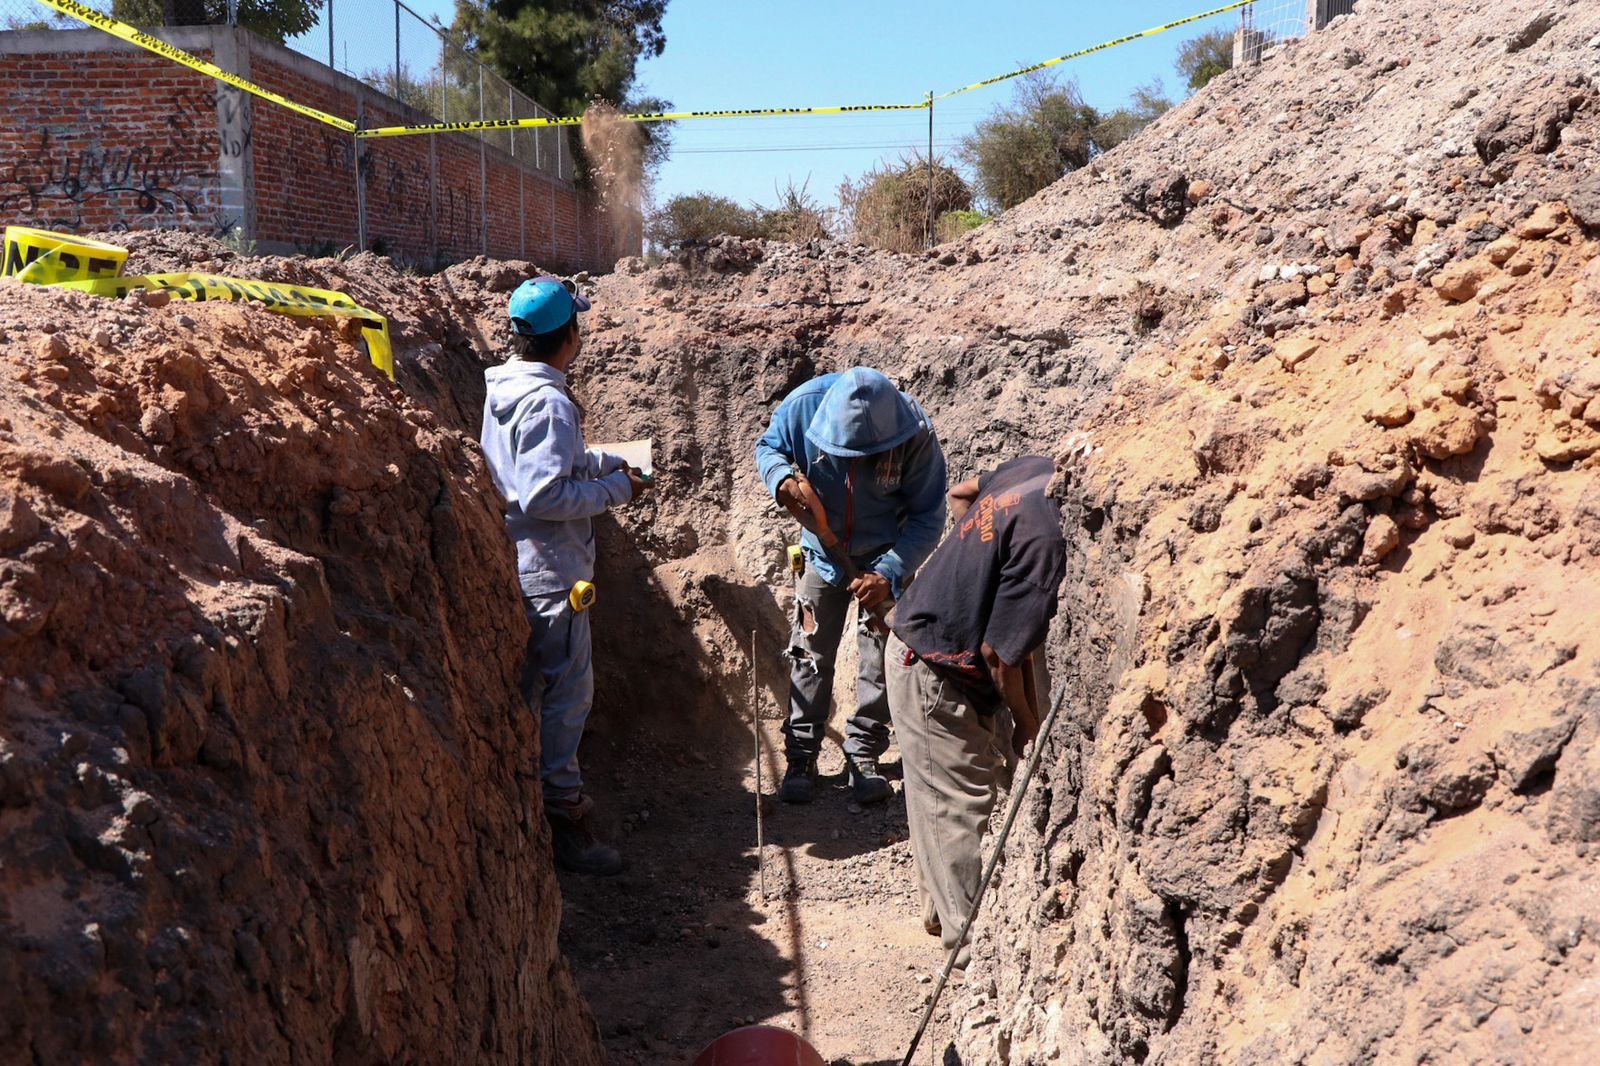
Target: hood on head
[(509, 383), (862, 413)]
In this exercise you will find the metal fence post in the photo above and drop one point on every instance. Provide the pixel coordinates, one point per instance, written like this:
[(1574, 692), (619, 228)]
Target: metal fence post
[(483, 171), (444, 83), (361, 190), (330, 35), (396, 49)]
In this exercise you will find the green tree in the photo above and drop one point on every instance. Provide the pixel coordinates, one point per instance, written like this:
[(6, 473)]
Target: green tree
[(1048, 132), (567, 54), (1204, 57), (1149, 102), (276, 20), (696, 216)]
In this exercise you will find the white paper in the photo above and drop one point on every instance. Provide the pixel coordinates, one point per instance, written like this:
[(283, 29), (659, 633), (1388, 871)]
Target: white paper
[(636, 453)]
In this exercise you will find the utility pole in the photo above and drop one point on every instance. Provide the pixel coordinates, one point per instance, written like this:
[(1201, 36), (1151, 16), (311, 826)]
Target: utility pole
[(930, 170)]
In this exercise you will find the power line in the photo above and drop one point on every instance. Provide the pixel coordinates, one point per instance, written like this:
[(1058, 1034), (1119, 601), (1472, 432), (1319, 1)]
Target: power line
[(814, 148)]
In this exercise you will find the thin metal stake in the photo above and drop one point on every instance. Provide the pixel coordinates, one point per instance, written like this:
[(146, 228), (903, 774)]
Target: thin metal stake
[(988, 874), (397, 49), (755, 720), (930, 168), (330, 36)]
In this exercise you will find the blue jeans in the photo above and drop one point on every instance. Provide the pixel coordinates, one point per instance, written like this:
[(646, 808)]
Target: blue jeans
[(558, 685)]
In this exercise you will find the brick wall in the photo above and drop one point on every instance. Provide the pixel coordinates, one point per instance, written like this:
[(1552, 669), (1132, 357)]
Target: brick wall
[(100, 135)]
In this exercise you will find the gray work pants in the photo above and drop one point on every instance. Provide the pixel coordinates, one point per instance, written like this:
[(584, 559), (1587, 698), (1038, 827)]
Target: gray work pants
[(819, 618), (955, 761), (558, 685)]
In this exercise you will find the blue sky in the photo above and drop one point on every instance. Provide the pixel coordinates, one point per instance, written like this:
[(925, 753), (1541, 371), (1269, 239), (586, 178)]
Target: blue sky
[(722, 54)]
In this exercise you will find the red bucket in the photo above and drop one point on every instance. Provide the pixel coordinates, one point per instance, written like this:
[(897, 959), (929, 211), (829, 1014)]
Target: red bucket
[(759, 1045)]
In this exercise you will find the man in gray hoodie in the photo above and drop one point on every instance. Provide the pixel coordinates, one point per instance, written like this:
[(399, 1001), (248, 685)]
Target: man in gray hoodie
[(553, 485)]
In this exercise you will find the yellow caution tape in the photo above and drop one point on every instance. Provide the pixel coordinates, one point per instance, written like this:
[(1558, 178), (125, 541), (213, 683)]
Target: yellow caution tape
[(178, 55), (644, 116), (41, 257), (1151, 32), (284, 299)]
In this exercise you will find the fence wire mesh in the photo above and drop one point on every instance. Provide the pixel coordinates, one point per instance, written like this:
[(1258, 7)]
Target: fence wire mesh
[(388, 46)]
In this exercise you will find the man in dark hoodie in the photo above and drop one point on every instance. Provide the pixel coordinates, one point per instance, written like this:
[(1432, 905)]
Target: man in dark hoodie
[(866, 454), (966, 668), (553, 486)]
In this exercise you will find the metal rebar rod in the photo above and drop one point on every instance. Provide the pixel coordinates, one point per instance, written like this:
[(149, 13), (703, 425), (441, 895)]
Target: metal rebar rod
[(330, 35), (755, 721), (1017, 795)]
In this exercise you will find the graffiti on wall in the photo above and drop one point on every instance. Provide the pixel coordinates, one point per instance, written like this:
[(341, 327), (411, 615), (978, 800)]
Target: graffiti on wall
[(75, 180), (400, 190)]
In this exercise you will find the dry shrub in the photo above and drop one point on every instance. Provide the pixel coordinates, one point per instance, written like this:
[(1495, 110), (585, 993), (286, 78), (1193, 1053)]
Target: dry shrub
[(887, 207), (796, 216)]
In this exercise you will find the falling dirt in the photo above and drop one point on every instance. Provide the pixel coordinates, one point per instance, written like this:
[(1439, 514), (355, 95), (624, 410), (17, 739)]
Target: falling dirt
[(614, 151), (1328, 785)]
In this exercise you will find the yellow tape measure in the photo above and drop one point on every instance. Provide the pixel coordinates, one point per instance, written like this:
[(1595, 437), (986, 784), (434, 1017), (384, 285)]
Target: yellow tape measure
[(582, 596), (797, 559)]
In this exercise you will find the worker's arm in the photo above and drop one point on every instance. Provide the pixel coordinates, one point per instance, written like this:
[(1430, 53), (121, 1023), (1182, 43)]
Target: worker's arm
[(1019, 620), (542, 482), (922, 485), (777, 448), (962, 497), (1015, 682)]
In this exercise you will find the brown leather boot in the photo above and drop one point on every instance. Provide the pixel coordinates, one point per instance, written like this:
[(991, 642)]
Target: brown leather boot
[(577, 848)]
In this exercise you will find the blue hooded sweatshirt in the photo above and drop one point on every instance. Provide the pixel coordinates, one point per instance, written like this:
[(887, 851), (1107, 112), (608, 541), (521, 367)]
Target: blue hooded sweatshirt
[(870, 452), (553, 485)]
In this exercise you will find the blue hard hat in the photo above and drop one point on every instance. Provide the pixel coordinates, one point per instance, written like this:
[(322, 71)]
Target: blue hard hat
[(543, 305)]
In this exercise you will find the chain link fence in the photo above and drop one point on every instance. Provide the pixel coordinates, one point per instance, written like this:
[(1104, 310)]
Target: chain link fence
[(1266, 24), (382, 43), (387, 45)]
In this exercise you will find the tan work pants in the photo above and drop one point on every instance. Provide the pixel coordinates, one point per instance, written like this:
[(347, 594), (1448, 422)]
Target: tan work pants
[(954, 760)]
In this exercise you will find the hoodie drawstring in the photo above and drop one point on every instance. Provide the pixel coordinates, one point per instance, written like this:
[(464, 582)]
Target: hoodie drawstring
[(849, 504)]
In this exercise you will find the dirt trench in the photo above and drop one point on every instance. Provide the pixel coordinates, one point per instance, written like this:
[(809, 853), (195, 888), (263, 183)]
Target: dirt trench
[(1328, 786)]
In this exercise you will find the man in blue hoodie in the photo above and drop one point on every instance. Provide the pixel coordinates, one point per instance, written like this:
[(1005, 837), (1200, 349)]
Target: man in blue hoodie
[(553, 486), (867, 454)]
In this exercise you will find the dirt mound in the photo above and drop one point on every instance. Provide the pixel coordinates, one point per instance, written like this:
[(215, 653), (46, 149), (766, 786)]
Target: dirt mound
[(264, 782)]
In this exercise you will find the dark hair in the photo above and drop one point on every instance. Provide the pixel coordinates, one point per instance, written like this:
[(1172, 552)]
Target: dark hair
[(542, 346)]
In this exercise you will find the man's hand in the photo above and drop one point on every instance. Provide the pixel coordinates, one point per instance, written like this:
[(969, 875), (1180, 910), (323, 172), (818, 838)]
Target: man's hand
[(870, 590), (1025, 726), (794, 502), (1017, 689), (637, 482)]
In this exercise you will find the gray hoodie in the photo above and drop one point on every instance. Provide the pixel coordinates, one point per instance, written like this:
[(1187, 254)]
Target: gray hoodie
[(553, 485)]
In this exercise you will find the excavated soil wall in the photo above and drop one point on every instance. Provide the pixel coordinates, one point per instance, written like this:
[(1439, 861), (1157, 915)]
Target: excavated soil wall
[(265, 785)]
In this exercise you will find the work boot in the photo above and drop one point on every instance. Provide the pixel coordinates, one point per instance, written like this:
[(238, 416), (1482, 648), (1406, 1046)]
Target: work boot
[(577, 849), (799, 779), (867, 783)]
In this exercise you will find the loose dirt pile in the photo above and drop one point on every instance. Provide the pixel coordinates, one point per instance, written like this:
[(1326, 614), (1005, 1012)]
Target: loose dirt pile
[(1329, 787)]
